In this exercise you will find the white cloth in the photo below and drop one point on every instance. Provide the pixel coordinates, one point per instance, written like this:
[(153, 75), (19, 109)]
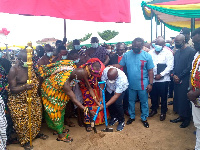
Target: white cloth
[(120, 84), (3, 125), (197, 66), (164, 57), (78, 93), (196, 120)]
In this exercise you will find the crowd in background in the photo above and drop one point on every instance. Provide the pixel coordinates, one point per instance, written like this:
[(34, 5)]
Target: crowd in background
[(65, 84)]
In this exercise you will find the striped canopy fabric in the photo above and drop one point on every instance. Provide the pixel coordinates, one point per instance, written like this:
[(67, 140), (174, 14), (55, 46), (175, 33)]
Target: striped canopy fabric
[(175, 14)]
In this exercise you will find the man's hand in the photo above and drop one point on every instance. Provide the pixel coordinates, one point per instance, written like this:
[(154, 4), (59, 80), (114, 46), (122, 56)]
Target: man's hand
[(101, 107), (92, 113), (158, 77), (176, 79), (149, 88), (29, 86)]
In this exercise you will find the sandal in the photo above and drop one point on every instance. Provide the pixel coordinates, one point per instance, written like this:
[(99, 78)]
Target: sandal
[(66, 139), (88, 128), (27, 146), (42, 136), (64, 131)]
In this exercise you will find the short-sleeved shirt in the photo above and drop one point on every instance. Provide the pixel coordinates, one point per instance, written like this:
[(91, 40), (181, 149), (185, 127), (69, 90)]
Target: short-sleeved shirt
[(137, 68), (121, 83)]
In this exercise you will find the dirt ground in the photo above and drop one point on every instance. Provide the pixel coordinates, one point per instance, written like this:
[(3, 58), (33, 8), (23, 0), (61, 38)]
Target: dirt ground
[(159, 136)]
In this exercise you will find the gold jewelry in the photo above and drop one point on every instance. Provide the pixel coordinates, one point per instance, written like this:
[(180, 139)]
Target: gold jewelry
[(86, 110), (94, 97)]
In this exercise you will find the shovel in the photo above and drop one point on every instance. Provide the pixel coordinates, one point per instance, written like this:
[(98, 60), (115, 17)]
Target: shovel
[(94, 119), (104, 107)]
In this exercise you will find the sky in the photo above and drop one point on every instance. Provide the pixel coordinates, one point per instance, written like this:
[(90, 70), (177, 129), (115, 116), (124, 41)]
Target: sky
[(32, 28)]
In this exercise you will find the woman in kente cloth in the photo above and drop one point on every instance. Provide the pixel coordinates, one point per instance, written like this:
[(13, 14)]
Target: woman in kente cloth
[(59, 78), (94, 68), (10, 132)]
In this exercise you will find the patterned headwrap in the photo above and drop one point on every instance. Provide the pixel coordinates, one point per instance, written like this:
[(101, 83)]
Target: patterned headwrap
[(90, 62)]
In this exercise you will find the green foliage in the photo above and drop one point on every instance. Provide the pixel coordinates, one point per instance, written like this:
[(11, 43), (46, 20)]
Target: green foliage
[(70, 44), (87, 36), (108, 34)]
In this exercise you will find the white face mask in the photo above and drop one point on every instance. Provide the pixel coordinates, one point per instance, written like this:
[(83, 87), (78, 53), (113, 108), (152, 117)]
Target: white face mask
[(95, 45), (77, 61), (109, 50), (49, 54), (64, 57), (76, 47), (111, 81), (1, 54)]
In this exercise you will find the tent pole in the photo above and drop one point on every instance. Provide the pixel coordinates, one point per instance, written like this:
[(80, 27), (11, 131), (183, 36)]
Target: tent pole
[(161, 28), (151, 25), (192, 24), (64, 39), (164, 31), (156, 28)]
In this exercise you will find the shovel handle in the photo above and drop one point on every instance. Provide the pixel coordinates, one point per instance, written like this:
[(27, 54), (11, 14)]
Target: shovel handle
[(102, 82), (97, 112)]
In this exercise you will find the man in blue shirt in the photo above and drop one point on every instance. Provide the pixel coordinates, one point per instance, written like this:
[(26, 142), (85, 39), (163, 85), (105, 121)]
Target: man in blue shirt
[(140, 77)]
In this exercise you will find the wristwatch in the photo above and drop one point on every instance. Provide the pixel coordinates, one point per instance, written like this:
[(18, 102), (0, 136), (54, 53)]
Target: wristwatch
[(151, 84)]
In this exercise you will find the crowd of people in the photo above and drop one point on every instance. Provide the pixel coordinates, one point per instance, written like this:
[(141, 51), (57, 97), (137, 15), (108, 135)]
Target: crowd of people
[(65, 83)]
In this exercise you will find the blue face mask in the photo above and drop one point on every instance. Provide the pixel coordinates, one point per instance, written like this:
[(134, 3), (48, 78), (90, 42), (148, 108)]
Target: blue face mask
[(167, 44), (77, 61), (158, 48), (77, 47), (1, 54), (64, 57), (95, 45)]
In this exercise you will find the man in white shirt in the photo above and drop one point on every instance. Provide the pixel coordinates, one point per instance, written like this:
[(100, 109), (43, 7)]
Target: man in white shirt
[(163, 61), (116, 85)]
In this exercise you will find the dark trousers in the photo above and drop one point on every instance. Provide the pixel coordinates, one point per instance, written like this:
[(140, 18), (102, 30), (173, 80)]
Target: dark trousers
[(171, 88), (125, 100), (116, 109), (160, 89)]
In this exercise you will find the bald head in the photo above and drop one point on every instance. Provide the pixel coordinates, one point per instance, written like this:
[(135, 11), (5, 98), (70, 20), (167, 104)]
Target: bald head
[(112, 74), (160, 41), (180, 41), (22, 55)]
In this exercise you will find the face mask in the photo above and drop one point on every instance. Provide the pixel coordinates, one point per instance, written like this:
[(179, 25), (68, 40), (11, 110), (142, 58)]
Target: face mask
[(64, 57), (76, 47), (136, 50), (167, 44), (109, 50), (25, 64), (84, 49), (111, 81), (49, 54), (158, 48), (1, 54), (77, 61), (95, 45), (178, 46)]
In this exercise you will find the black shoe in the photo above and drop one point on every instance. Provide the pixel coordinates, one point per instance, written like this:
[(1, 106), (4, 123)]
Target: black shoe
[(162, 117), (170, 103), (185, 123), (120, 126), (145, 123), (152, 113), (130, 121), (177, 120)]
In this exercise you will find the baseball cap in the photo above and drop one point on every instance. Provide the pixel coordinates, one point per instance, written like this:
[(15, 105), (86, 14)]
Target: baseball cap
[(185, 31)]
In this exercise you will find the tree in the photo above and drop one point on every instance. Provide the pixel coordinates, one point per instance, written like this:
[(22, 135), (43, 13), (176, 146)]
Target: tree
[(70, 44), (108, 34)]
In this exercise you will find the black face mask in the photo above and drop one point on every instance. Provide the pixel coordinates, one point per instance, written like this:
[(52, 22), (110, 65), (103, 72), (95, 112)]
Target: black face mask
[(178, 46), (136, 50)]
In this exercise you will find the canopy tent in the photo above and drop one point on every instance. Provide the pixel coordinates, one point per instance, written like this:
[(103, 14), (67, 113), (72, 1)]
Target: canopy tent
[(120, 38), (88, 41), (89, 10), (175, 14)]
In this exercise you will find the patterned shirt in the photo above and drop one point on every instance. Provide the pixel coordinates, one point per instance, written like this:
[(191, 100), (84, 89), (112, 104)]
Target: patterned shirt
[(120, 84)]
